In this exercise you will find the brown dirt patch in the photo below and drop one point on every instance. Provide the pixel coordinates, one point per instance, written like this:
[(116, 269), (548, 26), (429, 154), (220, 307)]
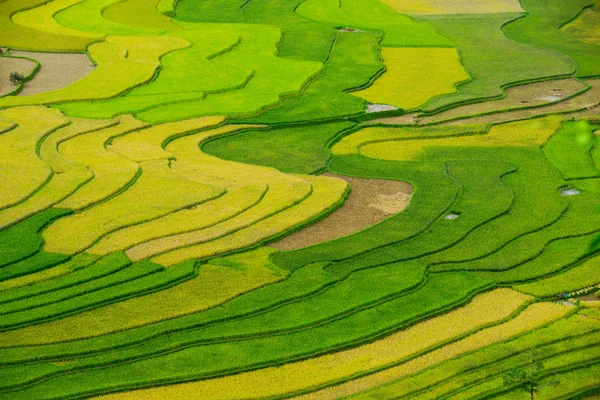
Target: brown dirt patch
[(9, 65), (370, 201), (57, 70)]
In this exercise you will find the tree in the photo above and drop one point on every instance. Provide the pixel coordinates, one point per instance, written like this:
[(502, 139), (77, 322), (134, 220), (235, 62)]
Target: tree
[(16, 78), (529, 379)]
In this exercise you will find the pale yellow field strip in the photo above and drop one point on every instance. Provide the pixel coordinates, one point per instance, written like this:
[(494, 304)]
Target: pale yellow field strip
[(146, 144), (156, 193), (42, 19), (276, 381), (123, 63), (213, 285), (68, 175), (435, 7), (533, 317), (157, 232), (415, 75), (111, 172), (23, 172), (281, 194), (326, 194), (351, 144), (521, 133)]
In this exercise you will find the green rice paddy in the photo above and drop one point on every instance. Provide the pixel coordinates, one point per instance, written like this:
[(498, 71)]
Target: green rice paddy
[(142, 205)]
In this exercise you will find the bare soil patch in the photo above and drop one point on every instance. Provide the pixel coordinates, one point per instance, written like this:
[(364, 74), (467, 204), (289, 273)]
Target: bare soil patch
[(57, 70), (9, 65), (370, 201)]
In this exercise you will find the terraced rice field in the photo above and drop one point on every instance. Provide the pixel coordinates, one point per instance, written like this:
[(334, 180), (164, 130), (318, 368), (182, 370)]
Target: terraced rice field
[(311, 199)]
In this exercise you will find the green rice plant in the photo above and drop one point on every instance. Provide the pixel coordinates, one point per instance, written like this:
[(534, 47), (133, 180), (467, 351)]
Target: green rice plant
[(251, 353), (434, 194), (485, 51), (74, 263), (23, 240), (40, 18), (140, 13), (23, 172), (293, 378), (121, 273), (86, 334), (87, 269), (166, 7), (122, 63), (565, 336), (580, 276), (483, 197), (569, 150), (400, 30), (295, 149), (23, 37), (541, 28), (353, 62), (71, 305), (37, 262), (141, 202), (88, 16), (584, 27)]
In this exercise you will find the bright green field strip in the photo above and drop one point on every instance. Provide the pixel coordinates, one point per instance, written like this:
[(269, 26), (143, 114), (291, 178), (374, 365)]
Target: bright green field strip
[(556, 338), (580, 219), (541, 28), (21, 37), (304, 39), (166, 6), (97, 268), (88, 16), (580, 276), (434, 193), (122, 63), (537, 203), (36, 262), (582, 365), (121, 274), (23, 240), (186, 74), (151, 283), (41, 19), (482, 198), (23, 172), (358, 291), (353, 62), (302, 283), (299, 149), (485, 52), (400, 30), (274, 77), (141, 202), (569, 150), (238, 355)]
